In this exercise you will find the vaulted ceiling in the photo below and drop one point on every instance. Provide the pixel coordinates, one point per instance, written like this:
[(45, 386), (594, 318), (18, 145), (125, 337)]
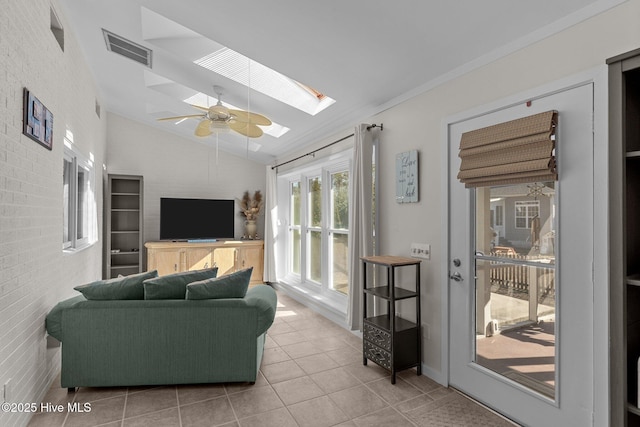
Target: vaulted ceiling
[(365, 55)]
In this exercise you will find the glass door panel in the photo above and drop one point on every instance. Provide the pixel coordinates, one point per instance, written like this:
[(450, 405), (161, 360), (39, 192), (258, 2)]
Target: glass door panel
[(515, 284)]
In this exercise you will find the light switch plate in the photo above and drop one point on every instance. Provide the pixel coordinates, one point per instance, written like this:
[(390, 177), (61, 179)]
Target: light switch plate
[(421, 250)]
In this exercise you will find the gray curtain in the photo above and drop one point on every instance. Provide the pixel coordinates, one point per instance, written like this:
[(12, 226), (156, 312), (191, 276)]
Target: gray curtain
[(360, 220), (270, 226)]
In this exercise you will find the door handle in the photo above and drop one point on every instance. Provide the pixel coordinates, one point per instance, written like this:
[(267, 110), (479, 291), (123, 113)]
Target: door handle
[(456, 276)]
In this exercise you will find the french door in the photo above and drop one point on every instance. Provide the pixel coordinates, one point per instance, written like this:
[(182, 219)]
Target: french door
[(521, 297)]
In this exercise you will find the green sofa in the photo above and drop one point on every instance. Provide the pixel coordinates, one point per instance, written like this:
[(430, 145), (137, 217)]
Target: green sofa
[(163, 341)]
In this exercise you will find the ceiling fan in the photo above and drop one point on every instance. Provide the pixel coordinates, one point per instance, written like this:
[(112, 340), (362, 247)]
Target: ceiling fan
[(219, 118)]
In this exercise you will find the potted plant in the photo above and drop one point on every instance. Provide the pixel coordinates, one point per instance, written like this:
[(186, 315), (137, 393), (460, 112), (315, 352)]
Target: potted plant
[(251, 207)]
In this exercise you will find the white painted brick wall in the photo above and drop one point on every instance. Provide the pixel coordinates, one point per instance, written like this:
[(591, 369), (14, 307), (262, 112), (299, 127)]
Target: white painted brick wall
[(34, 272)]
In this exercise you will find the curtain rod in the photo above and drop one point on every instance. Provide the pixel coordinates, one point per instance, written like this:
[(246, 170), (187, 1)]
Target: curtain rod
[(311, 153)]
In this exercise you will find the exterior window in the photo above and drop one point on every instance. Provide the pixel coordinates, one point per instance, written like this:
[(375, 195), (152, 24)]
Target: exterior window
[(68, 206), (499, 219), (318, 232), (339, 231), (314, 229), (78, 210), (294, 230), (525, 212)]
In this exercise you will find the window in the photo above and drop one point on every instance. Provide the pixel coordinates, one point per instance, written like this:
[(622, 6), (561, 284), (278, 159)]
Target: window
[(318, 230), (314, 229), (243, 70), (56, 28), (294, 229), (339, 230), (526, 211), (79, 216), (499, 216)]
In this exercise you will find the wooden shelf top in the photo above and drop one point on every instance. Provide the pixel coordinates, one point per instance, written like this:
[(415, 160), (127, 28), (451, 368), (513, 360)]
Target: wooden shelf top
[(168, 244), (390, 260)]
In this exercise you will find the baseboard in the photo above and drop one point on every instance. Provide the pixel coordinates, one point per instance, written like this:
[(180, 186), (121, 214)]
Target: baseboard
[(437, 376), (326, 310)]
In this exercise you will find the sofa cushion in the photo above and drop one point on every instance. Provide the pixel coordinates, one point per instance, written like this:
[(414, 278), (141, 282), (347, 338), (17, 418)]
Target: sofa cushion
[(232, 285), (127, 287), (174, 286)]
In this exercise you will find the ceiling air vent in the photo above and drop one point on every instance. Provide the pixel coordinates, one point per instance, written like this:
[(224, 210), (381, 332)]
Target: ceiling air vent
[(127, 48)]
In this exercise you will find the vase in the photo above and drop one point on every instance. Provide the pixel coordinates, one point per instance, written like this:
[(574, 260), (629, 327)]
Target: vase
[(251, 228)]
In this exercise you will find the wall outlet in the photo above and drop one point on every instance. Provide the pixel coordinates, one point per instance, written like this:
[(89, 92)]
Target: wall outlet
[(421, 250)]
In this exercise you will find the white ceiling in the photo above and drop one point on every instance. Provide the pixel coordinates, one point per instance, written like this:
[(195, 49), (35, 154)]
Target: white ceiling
[(367, 55)]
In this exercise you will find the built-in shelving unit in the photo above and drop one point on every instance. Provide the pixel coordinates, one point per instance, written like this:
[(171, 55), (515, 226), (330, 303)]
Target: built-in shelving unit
[(124, 220), (388, 339), (624, 222)]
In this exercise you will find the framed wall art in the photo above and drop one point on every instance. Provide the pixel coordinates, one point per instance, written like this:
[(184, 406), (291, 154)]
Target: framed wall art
[(407, 177), (37, 121)]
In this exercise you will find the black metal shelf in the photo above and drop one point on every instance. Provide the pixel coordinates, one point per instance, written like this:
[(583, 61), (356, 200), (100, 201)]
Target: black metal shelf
[(384, 322), (389, 340), (385, 293)]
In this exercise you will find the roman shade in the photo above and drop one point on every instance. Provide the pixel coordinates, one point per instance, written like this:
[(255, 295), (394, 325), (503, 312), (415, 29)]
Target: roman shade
[(513, 152)]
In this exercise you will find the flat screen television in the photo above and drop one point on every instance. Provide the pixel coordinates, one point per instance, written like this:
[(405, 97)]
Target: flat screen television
[(185, 219)]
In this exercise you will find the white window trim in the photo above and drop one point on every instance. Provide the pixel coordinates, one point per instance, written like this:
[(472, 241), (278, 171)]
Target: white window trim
[(319, 291), (79, 161), (527, 217)]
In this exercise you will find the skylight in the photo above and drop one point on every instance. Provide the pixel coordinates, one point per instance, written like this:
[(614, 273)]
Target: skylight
[(236, 66)]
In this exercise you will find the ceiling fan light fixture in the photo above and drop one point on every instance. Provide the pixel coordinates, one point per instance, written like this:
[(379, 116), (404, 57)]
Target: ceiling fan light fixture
[(219, 126), (218, 110)]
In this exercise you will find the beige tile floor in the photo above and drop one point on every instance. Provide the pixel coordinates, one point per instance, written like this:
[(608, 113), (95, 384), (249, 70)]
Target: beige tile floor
[(311, 375)]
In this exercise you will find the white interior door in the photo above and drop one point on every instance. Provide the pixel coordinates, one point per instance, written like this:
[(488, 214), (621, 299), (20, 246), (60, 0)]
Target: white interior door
[(536, 366)]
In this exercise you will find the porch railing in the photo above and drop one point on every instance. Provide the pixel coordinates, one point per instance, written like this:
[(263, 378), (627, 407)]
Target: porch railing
[(515, 279)]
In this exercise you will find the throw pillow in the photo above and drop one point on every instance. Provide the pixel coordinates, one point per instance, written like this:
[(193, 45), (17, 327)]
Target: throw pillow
[(232, 285), (174, 286), (127, 287)]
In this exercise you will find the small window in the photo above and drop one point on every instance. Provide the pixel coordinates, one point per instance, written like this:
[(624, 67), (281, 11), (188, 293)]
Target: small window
[(499, 216), (56, 29), (525, 212), (79, 220)]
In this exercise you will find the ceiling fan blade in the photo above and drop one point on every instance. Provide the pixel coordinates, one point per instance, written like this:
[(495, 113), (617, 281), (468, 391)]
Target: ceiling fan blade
[(204, 128), (247, 117), (199, 107), (180, 117), (247, 129)]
